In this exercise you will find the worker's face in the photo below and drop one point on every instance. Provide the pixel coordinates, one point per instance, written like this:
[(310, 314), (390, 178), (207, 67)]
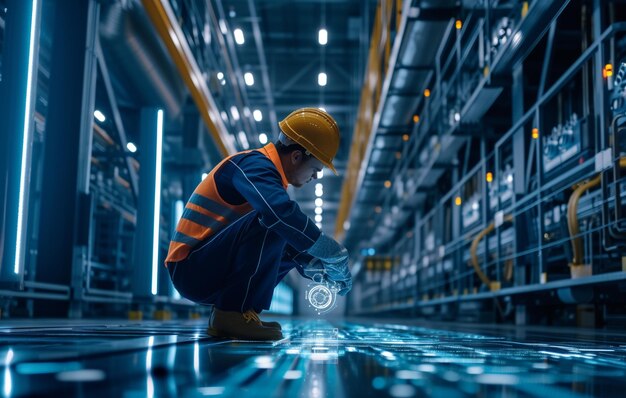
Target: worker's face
[(303, 169)]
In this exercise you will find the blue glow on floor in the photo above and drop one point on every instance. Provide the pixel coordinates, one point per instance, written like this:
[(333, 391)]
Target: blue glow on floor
[(316, 359)]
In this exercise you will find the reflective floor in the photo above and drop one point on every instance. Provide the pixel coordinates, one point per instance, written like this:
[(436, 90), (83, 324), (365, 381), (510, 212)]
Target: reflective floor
[(316, 359)]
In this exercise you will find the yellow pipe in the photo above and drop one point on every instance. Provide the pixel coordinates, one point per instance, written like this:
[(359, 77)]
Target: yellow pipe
[(474, 247), (572, 219), (572, 215), (168, 29)]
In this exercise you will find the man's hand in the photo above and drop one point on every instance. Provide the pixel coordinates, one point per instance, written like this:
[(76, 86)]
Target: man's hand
[(340, 273), (334, 259)]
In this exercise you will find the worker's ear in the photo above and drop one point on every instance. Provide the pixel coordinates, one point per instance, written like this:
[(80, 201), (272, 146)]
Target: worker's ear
[(296, 157)]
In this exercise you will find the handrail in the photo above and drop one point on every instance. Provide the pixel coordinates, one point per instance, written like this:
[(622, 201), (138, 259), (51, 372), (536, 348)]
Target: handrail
[(162, 17), (562, 81)]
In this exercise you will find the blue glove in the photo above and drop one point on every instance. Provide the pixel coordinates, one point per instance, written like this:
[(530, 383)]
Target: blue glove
[(334, 258), (328, 250), (340, 274), (328, 274)]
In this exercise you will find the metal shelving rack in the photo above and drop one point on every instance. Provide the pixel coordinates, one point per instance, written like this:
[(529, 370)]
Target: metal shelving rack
[(477, 199)]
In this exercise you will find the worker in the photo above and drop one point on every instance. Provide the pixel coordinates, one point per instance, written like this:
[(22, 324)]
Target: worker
[(240, 233)]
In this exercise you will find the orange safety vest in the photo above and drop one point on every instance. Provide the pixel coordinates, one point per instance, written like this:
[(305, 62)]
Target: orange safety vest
[(207, 213)]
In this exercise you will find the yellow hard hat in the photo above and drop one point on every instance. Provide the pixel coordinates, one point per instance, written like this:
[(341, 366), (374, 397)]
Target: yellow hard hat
[(316, 131)]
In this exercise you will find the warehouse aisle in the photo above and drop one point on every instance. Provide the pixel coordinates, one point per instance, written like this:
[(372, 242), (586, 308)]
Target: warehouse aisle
[(316, 359)]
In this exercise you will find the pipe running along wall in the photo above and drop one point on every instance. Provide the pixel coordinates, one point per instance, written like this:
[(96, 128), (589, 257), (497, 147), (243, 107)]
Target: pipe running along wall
[(474, 257), (572, 216)]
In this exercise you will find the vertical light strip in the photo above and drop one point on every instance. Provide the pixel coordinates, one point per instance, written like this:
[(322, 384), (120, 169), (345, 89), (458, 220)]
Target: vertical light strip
[(196, 359), (157, 203), (26, 139), (8, 380)]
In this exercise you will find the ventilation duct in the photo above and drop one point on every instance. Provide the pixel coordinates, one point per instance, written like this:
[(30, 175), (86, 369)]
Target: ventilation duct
[(140, 68)]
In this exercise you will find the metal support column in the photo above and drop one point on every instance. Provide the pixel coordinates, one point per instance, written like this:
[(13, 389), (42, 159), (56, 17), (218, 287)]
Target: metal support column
[(192, 131), (63, 243), (148, 263), (520, 159), (17, 107), (599, 93), (519, 141)]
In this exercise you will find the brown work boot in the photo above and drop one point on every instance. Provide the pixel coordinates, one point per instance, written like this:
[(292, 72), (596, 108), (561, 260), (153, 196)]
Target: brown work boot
[(246, 326), (274, 325)]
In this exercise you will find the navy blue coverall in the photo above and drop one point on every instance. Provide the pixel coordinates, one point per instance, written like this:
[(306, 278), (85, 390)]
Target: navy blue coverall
[(238, 268)]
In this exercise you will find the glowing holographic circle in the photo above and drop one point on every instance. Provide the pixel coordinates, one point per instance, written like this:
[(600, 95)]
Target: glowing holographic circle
[(320, 297)]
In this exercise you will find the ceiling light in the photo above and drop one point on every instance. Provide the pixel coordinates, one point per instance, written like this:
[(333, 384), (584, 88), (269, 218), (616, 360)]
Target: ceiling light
[(224, 115), (263, 138), (223, 27), (206, 34), (322, 109), (131, 147), (322, 37), (243, 139), (204, 175), (319, 225), (99, 116), (234, 112), (258, 116), (318, 218), (322, 79), (220, 75), (319, 193), (319, 202), (239, 39), (319, 186), (320, 174), (249, 78), (346, 225), (246, 111), (318, 210)]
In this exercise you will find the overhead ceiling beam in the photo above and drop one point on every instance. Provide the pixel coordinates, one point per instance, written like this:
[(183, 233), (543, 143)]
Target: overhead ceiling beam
[(435, 13), (164, 20), (237, 79), (332, 109), (285, 49), (258, 40), (295, 78)]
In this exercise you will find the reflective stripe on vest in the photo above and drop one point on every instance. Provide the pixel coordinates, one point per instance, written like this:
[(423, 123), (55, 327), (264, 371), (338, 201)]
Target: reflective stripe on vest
[(207, 213)]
